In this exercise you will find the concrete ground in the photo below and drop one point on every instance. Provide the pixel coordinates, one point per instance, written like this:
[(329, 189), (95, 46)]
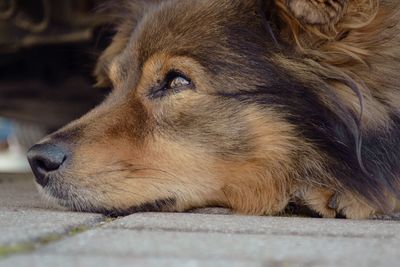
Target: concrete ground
[(33, 235)]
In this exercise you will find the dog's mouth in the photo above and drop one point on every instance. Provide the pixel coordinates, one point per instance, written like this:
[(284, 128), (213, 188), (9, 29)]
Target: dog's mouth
[(159, 205), (64, 196)]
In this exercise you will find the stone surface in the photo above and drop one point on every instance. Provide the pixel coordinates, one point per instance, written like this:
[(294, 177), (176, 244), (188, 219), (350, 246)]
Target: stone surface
[(207, 237), (279, 249), (17, 226), (292, 226), (25, 218), (106, 261)]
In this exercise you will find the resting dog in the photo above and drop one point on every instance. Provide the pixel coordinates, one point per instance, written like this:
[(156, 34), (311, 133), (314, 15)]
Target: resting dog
[(245, 104)]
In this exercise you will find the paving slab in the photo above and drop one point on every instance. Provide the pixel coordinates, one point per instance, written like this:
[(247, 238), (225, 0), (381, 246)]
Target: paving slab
[(125, 261), (293, 226), (277, 249), (208, 237), (21, 226), (24, 217)]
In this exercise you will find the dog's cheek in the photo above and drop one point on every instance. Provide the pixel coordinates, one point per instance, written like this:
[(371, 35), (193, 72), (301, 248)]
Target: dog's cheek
[(200, 121), (262, 181), (189, 173), (247, 150)]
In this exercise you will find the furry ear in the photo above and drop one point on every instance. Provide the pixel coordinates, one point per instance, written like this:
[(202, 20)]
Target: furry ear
[(315, 12), (322, 13), (101, 70), (125, 14), (316, 24)]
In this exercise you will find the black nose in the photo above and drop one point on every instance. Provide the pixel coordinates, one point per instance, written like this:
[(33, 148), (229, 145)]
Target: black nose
[(46, 158)]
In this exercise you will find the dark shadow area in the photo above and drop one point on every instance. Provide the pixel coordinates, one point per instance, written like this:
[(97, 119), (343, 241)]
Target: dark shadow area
[(48, 50)]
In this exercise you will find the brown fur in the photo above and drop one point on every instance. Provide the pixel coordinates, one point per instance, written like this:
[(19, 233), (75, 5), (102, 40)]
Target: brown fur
[(219, 142)]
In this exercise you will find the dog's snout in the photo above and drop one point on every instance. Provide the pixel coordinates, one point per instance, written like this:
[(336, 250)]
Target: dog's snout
[(46, 158)]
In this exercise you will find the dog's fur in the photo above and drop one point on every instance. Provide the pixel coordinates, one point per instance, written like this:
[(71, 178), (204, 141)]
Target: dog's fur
[(288, 101)]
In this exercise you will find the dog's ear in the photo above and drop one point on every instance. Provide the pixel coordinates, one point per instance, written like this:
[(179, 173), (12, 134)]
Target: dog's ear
[(309, 12), (101, 69), (325, 28), (318, 19), (124, 14)]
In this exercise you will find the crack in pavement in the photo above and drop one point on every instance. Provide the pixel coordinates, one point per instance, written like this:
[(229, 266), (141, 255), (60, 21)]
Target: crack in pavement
[(31, 246)]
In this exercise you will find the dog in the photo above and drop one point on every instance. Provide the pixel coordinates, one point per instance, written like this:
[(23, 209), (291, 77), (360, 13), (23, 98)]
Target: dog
[(245, 104)]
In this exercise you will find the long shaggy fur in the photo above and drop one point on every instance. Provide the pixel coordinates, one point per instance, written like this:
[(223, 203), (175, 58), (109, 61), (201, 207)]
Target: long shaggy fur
[(364, 37)]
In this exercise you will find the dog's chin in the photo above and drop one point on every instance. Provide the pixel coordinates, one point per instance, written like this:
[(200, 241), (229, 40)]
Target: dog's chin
[(56, 198), (50, 201), (55, 201)]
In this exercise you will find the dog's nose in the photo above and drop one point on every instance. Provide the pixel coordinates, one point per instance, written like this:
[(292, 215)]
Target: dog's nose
[(46, 158)]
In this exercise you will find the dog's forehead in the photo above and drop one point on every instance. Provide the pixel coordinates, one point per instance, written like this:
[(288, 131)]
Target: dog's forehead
[(222, 37), (191, 27)]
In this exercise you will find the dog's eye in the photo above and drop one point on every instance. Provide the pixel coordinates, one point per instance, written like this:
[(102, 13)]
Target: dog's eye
[(176, 81)]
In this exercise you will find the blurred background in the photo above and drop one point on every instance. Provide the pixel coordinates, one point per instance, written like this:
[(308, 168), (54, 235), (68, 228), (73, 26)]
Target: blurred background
[(48, 49)]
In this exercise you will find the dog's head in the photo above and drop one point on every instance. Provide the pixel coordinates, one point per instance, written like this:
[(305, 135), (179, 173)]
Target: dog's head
[(209, 107)]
